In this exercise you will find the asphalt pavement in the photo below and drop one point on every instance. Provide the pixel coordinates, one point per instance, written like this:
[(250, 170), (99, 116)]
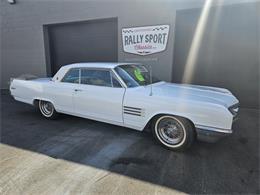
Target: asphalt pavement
[(74, 155)]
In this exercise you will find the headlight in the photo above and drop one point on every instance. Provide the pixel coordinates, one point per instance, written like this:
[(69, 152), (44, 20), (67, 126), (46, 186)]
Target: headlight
[(234, 109)]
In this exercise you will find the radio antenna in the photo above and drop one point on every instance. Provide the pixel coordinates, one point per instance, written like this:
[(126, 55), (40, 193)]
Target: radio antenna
[(151, 80)]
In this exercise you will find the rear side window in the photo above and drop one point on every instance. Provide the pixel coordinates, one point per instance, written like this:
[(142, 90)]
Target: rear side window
[(72, 76), (96, 77)]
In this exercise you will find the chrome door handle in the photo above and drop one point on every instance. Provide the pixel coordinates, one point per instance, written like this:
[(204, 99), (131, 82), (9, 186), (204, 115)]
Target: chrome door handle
[(77, 90)]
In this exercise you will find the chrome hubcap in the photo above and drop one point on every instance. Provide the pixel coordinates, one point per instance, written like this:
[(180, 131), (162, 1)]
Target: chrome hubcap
[(170, 131), (46, 108)]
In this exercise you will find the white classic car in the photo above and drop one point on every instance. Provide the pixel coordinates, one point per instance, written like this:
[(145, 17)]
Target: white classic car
[(126, 94)]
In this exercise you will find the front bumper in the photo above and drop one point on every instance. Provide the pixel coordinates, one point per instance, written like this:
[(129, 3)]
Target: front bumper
[(211, 135)]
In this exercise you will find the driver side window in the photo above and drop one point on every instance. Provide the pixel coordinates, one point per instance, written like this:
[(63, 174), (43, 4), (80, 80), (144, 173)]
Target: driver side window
[(72, 76), (96, 77)]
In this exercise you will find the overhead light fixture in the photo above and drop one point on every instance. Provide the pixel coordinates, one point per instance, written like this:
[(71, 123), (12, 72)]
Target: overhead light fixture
[(11, 1)]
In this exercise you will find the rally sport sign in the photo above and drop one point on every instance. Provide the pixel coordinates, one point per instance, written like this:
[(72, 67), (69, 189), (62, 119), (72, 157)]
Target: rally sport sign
[(145, 40)]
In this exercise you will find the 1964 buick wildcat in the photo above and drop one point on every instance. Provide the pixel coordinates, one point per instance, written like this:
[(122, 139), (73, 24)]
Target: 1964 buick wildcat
[(126, 94)]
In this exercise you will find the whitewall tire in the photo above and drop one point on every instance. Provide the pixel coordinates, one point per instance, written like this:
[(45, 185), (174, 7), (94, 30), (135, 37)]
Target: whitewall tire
[(47, 109), (175, 133)]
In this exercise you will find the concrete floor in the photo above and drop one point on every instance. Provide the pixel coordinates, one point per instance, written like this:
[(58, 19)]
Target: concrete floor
[(73, 155)]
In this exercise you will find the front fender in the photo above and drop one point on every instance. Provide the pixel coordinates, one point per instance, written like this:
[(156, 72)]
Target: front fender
[(165, 112), (212, 116)]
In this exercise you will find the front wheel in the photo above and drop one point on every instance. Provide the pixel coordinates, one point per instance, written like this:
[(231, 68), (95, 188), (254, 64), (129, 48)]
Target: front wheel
[(175, 133), (47, 109)]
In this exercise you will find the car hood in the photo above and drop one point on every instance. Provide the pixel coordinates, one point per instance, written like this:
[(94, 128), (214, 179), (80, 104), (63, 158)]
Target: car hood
[(195, 93)]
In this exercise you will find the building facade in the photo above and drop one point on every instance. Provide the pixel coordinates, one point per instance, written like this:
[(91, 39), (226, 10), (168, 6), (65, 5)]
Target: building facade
[(215, 43)]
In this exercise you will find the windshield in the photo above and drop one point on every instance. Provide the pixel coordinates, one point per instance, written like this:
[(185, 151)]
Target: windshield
[(135, 75)]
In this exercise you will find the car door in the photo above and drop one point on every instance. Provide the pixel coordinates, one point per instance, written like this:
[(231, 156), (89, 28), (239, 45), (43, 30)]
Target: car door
[(99, 95), (63, 92)]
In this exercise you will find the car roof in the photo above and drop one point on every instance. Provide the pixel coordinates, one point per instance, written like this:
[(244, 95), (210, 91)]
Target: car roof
[(97, 64)]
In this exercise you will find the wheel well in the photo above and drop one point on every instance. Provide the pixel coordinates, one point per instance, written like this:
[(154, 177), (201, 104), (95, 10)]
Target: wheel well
[(148, 125), (35, 102)]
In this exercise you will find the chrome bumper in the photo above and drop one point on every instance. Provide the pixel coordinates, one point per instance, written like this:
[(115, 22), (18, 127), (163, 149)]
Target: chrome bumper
[(210, 134)]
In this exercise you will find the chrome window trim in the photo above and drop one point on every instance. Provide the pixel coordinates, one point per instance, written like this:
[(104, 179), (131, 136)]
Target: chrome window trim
[(80, 76), (119, 78), (104, 69), (111, 79)]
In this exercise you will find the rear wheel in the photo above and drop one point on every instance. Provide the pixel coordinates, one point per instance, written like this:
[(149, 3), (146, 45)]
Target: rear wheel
[(47, 109), (175, 133)]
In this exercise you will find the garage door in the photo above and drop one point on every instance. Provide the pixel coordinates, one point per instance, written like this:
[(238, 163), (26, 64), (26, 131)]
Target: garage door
[(88, 41), (228, 55)]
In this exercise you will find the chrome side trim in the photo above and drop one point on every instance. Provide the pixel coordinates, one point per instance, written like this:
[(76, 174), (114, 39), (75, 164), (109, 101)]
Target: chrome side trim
[(128, 107), (135, 114), (133, 111), (129, 110), (215, 129)]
